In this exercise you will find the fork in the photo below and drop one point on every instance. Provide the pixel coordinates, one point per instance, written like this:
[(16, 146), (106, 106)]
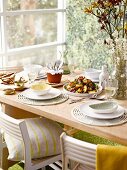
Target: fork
[(94, 96), (78, 100)]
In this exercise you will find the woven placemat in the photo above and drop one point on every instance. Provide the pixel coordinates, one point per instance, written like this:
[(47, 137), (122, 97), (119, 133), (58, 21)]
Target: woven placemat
[(60, 99), (82, 117)]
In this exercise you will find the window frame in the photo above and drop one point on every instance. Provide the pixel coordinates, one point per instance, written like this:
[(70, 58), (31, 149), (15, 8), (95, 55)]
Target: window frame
[(60, 43)]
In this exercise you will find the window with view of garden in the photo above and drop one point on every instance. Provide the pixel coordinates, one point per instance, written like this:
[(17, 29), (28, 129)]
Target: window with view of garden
[(31, 31)]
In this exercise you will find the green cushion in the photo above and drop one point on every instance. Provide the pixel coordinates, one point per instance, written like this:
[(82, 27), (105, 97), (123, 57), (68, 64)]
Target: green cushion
[(81, 135)]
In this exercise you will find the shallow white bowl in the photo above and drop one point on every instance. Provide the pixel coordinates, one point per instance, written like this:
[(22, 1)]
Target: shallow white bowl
[(92, 73), (104, 107), (81, 94), (40, 88)]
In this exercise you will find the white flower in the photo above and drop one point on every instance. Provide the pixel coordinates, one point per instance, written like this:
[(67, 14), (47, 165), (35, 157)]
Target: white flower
[(115, 34), (109, 40), (111, 51), (100, 41)]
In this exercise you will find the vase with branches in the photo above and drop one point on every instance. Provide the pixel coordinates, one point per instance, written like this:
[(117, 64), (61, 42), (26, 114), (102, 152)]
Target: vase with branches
[(112, 17)]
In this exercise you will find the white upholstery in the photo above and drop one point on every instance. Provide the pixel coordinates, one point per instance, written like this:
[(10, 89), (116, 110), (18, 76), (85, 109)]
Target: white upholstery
[(44, 137), (18, 129), (82, 152)]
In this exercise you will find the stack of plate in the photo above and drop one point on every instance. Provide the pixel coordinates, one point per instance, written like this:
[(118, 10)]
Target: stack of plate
[(92, 74), (42, 74), (102, 110), (53, 93)]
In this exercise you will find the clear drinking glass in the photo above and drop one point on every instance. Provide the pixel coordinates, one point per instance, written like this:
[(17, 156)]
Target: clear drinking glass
[(32, 71), (110, 88), (73, 65), (32, 76)]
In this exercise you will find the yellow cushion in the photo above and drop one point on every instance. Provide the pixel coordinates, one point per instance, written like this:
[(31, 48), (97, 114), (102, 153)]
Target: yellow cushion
[(44, 136), (111, 157)]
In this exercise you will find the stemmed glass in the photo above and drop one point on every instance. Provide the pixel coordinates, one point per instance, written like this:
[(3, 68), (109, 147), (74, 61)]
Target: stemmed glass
[(32, 76), (110, 88), (73, 65)]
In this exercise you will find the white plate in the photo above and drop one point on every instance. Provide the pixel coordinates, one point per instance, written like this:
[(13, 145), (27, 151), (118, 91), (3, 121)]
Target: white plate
[(53, 93), (41, 76), (81, 94), (95, 80), (92, 73), (84, 108)]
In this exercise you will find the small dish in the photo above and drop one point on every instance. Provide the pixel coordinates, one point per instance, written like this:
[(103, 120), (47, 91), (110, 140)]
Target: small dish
[(85, 110), (92, 73), (104, 107), (40, 88), (58, 84), (52, 93)]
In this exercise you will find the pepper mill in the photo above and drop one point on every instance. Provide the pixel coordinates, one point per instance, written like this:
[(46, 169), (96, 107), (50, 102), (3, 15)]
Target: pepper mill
[(104, 77)]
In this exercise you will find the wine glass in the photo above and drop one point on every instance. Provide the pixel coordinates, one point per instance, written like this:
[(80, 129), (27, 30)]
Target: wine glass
[(32, 71), (73, 65), (110, 88), (32, 76)]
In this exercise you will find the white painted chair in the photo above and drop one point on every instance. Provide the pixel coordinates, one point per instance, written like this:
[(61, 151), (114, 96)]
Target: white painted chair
[(79, 151), (18, 130)]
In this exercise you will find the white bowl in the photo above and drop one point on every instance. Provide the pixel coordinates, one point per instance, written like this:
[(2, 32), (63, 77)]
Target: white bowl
[(92, 73), (40, 88), (104, 107), (32, 68)]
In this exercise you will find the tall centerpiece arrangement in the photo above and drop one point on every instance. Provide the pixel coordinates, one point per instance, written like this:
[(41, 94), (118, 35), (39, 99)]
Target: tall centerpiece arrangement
[(112, 17)]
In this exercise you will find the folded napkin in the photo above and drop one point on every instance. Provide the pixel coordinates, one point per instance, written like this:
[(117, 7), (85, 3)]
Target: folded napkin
[(111, 157)]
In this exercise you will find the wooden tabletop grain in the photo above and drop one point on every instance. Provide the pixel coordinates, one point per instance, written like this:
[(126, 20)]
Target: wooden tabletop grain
[(62, 113)]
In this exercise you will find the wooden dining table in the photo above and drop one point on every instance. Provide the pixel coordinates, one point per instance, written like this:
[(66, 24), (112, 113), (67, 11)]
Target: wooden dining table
[(62, 113)]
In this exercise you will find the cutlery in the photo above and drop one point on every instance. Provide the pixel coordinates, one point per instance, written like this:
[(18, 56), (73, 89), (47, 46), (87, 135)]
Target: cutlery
[(58, 64), (76, 100), (49, 66), (95, 96)]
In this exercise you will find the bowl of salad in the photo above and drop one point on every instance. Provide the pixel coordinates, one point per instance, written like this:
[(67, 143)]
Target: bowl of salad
[(82, 87)]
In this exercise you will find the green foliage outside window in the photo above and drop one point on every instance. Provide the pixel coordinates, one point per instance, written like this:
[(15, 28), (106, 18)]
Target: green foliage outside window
[(84, 38)]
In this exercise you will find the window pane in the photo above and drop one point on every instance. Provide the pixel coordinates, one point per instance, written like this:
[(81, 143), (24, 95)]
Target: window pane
[(1, 61), (30, 4), (0, 37), (42, 57), (0, 6), (27, 30)]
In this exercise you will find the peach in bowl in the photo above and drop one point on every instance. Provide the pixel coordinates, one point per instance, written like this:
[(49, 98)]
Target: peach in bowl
[(40, 88)]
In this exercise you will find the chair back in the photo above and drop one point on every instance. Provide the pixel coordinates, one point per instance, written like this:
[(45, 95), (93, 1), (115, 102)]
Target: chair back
[(17, 129), (79, 151)]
